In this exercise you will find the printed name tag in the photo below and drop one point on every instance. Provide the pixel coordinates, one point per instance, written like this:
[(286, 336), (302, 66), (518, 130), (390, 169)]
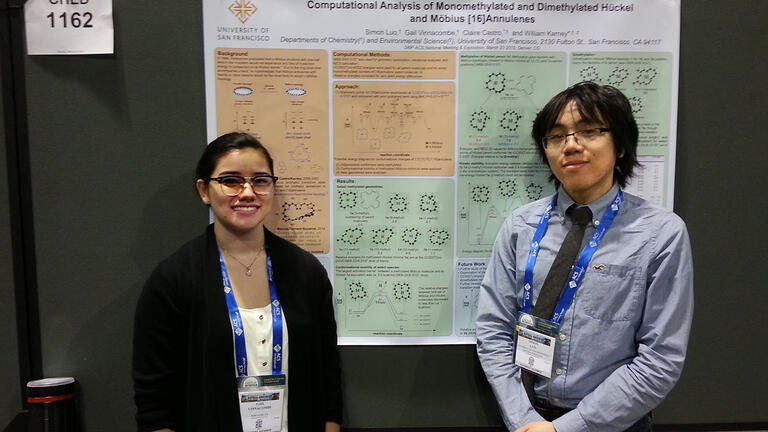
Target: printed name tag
[(261, 402), (535, 344)]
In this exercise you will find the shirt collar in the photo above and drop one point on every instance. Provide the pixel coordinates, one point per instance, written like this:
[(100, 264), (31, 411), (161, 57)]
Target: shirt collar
[(597, 206)]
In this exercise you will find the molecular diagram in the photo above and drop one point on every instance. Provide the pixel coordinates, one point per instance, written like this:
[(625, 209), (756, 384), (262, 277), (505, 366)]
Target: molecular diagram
[(534, 191), (402, 291), (478, 120), (496, 82), (645, 76), (357, 291), (410, 236), (637, 104), (438, 237), (293, 211), (510, 120), (347, 199), (351, 235), (382, 235), (428, 203), (300, 153), (525, 84), (507, 188), (398, 203), (481, 193), (370, 199), (589, 73), (617, 76)]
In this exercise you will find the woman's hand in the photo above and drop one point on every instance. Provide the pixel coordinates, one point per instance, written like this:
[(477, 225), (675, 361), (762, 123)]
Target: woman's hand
[(332, 427)]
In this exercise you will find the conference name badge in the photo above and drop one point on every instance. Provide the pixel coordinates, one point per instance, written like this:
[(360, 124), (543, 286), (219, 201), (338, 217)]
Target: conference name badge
[(261, 402), (535, 344)]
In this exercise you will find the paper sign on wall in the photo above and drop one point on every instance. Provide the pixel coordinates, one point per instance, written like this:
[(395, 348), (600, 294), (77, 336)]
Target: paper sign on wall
[(69, 27)]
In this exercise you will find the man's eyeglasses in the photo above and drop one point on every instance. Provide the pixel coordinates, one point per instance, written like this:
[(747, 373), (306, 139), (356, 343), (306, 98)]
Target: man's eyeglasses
[(233, 185), (585, 136)]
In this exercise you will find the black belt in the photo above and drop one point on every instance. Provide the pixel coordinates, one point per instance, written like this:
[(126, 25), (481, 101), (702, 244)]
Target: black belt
[(548, 411)]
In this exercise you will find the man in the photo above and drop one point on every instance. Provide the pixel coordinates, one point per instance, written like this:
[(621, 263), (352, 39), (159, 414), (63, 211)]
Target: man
[(608, 342)]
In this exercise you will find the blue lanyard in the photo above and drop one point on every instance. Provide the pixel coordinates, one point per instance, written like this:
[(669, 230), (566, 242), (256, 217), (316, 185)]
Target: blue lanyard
[(579, 270), (241, 356)]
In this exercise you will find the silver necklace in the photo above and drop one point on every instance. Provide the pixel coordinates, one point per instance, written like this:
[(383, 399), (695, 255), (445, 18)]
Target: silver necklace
[(249, 267)]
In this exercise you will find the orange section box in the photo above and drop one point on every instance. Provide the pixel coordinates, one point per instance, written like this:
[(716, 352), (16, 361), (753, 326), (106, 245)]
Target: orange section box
[(393, 128), (281, 97), (434, 65)]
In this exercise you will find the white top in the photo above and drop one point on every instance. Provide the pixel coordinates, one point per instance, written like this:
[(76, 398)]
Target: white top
[(257, 324)]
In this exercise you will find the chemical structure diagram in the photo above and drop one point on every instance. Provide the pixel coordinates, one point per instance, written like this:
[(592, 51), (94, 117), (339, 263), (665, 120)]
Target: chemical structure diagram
[(644, 77), (383, 302), (398, 203), (351, 236), (393, 236), (390, 124), (636, 103), (468, 306), (478, 120), (489, 203), (428, 203), (294, 121), (297, 211), (401, 291), (510, 120), (618, 76), (589, 73), (367, 199), (300, 153), (410, 236), (500, 87), (438, 236), (383, 219), (382, 236), (244, 121), (347, 199)]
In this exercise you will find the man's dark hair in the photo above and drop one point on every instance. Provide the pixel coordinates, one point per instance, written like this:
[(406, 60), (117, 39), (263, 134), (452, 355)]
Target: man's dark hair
[(225, 144), (599, 104)]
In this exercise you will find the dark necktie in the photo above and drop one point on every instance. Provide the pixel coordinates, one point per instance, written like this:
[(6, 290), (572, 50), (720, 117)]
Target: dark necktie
[(554, 283)]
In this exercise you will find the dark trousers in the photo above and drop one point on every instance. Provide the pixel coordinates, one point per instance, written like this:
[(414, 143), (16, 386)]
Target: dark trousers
[(550, 413)]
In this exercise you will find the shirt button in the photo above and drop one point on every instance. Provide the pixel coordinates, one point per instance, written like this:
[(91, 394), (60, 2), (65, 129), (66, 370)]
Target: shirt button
[(263, 341), (264, 363), (559, 371), (261, 317), (562, 337)]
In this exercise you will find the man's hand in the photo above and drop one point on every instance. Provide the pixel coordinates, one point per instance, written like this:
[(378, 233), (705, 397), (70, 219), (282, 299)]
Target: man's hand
[(537, 427), (332, 427)]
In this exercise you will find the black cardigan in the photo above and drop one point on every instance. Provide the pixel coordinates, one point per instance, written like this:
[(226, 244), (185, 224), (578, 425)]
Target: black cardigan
[(183, 367)]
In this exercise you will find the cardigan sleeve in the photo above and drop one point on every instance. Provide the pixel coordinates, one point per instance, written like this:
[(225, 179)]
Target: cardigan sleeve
[(331, 356), (158, 337)]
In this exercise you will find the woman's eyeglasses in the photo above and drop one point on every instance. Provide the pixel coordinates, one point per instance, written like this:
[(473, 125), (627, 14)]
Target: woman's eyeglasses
[(233, 185)]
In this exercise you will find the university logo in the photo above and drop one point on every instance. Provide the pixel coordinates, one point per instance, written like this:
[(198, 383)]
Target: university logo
[(242, 9)]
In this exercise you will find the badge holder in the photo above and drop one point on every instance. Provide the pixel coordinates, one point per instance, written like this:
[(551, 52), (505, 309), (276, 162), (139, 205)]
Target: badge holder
[(535, 344), (261, 402)]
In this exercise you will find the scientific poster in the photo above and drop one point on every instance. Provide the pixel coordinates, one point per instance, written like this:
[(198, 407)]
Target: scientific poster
[(401, 132)]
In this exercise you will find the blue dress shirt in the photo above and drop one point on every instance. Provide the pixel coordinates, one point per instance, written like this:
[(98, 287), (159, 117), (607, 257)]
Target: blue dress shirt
[(622, 343)]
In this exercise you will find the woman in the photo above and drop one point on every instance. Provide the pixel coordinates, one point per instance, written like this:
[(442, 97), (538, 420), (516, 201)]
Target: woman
[(215, 320)]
